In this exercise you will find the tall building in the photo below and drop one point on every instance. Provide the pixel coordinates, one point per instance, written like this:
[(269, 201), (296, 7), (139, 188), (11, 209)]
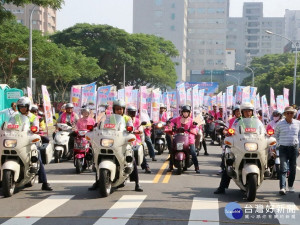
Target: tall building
[(43, 19), (292, 24), (167, 19), (206, 38), (248, 37)]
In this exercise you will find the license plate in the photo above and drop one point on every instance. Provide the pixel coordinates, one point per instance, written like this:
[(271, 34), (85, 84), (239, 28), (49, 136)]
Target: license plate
[(109, 125), (250, 130), (179, 146)]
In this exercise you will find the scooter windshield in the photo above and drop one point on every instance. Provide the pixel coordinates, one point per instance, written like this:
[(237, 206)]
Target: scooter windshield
[(113, 122), (249, 126)]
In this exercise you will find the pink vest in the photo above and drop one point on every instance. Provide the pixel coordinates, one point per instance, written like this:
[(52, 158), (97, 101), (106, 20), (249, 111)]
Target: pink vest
[(83, 122), (163, 117), (188, 125), (64, 117)]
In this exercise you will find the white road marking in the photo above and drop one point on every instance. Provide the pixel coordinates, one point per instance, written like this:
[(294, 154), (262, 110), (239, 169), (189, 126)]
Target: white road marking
[(122, 210), (36, 212), (286, 212), (204, 211)]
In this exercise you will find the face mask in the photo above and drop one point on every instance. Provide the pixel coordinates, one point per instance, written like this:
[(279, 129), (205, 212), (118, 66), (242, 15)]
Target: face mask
[(276, 118)]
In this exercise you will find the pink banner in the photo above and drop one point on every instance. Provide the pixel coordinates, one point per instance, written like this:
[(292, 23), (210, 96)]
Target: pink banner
[(272, 99), (47, 106), (286, 97)]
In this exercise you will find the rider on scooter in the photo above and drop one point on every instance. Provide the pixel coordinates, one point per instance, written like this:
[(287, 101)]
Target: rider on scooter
[(185, 121), (25, 116), (68, 117), (138, 130), (119, 109), (85, 120), (247, 112)]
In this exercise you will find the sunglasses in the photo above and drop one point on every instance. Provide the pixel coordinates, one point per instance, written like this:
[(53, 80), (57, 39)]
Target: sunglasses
[(289, 113)]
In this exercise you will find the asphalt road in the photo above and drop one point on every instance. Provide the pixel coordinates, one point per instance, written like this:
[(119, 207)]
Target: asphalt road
[(170, 199)]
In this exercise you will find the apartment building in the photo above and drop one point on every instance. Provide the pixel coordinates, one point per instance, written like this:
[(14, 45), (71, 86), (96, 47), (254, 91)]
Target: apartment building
[(248, 37), (167, 19), (43, 19)]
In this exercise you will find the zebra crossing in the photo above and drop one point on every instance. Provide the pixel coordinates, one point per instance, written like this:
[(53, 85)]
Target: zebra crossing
[(202, 211)]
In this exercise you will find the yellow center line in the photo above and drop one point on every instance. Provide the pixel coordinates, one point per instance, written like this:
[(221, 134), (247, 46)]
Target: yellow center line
[(167, 178), (160, 172)]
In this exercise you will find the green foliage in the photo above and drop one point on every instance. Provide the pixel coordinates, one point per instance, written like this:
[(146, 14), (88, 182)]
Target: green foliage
[(54, 65), (147, 58), (276, 71), (5, 15)]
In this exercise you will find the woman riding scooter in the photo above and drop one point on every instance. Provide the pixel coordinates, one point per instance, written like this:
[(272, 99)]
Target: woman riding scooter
[(186, 122)]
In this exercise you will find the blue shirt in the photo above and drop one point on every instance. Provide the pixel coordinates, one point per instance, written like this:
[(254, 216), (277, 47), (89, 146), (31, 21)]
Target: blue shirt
[(288, 134)]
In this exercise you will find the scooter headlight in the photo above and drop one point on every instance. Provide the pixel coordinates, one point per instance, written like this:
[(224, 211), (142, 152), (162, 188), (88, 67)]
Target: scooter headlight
[(179, 146), (159, 125), (106, 142), (251, 147), (10, 143)]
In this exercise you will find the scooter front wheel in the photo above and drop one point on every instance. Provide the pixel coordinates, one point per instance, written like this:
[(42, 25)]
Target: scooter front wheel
[(252, 187), (8, 183), (104, 182), (78, 165), (56, 156), (180, 168), (160, 148)]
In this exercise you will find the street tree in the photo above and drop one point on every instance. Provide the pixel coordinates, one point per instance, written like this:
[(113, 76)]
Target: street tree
[(276, 71), (147, 58)]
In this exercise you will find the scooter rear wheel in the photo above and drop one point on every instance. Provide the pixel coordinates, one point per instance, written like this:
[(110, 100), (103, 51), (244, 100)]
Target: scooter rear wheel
[(8, 183), (104, 182), (252, 187)]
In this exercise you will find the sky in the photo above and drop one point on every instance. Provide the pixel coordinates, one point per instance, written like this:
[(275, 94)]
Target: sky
[(118, 13)]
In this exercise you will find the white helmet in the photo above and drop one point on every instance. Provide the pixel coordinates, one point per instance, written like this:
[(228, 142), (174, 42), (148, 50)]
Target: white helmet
[(34, 108), (69, 105), (23, 101), (161, 105), (247, 105)]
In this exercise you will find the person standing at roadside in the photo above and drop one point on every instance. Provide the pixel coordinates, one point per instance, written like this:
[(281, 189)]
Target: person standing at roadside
[(287, 134), (9, 112)]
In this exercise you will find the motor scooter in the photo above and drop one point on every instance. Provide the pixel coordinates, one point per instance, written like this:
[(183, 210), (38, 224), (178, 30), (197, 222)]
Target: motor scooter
[(182, 159), (61, 140), (160, 142), (219, 134), (273, 166), (82, 152), (246, 154), (113, 153), (19, 157)]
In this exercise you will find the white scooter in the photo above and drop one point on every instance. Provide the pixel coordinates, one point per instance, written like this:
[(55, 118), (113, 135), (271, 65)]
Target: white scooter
[(19, 157), (113, 153), (246, 154), (61, 140)]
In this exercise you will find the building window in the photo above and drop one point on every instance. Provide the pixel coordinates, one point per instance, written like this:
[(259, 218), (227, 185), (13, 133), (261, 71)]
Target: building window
[(210, 62), (201, 10), (173, 5), (158, 2), (219, 52), (20, 21), (209, 51), (173, 28), (34, 22), (158, 25), (219, 62), (173, 16), (158, 13)]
